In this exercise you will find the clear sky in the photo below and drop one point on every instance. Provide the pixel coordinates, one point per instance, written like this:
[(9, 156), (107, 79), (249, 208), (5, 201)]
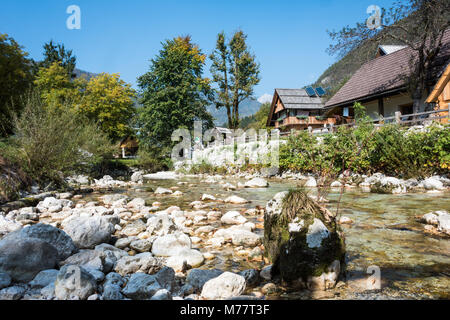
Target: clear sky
[(289, 38)]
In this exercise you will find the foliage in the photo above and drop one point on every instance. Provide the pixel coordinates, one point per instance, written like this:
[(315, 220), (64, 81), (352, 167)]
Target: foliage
[(55, 141), (235, 72), (109, 100), (56, 87), (174, 94), (15, 78), (149, 162), (58, 53), (391, 149)]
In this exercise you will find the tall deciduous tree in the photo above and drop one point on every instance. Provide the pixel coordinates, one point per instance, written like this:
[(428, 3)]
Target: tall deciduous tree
[(56, 87), (15, 78), (235, 72), (109, 101), (418, 24), (173, 93)]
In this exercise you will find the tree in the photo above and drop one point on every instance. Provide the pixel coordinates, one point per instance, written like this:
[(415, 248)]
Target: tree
[(418, 24), (55, 85), (174, 93), (15, 78), (235, 72), (58, 53), (109, 101)]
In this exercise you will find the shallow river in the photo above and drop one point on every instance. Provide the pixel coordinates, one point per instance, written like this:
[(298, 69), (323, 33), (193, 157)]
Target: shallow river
[(384, 234)]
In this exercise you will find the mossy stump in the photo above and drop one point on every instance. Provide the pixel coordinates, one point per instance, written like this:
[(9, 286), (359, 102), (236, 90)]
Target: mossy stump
[(302, 240)]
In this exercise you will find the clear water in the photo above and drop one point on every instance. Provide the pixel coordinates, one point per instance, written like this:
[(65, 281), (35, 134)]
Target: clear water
[(385, 233)]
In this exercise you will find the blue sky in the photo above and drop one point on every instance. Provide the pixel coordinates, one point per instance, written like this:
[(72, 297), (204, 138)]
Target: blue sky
[(288, 37)]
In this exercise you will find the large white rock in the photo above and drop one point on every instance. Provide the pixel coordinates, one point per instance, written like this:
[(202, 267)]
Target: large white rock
[(170, 244), (311, 182), (191, 257), (432, 183), (8, 225), (160, 190), (236, 200), (74, 283), (225, 286), (257, 183), (87, 232), (143, 262), (444, 223), (233, 217)]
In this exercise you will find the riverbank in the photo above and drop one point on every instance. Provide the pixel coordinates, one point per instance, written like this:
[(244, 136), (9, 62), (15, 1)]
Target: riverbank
[(141, 220)]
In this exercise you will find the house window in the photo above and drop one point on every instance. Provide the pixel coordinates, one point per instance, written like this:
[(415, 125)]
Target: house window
[(345, 112)]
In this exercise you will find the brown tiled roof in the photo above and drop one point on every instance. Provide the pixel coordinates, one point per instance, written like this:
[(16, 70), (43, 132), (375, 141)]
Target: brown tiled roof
[(383, 74)]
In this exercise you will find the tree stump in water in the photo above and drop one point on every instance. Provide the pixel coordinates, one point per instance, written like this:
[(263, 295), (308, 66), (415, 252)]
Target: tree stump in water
[(302, 240)]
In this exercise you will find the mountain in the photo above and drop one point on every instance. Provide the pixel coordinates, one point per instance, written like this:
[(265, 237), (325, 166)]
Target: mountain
[(84, 74), (247, 107)]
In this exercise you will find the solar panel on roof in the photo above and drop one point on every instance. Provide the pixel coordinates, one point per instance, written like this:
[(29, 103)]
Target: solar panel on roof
[(310, 91), (320, 91)]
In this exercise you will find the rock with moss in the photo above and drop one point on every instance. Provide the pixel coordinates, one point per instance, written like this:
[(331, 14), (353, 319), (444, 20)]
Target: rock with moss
[(303, 241)]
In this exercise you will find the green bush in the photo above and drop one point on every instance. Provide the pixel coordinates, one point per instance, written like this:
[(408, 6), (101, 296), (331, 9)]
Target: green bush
[(390, 149), (53, 142), (146, 160)]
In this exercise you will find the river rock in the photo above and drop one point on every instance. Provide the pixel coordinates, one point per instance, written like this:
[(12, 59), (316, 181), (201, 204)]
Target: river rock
[(162, 294), (225, 286), (134, 228), (236, 200), (432, 183), (251, 276), (141, 286), (112, 292), (161, 224), (311, 183), (5, 280), (301, 238), (137, 176), (233, 217), (53, 236), (143, 262), (12, 293), (141, 245), (74, 283), (208, 197), (51, 204), (389, 185), (44, 278), (23, 258), (169, 244), (160, 190), (87, 232), (256, 183), (109, 199), (137, 204), (189, 258), (336, 184), (198, 277), (8, 225), (92, 259)]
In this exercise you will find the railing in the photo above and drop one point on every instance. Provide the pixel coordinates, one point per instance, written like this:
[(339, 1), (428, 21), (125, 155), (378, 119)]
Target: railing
[(398, 118)]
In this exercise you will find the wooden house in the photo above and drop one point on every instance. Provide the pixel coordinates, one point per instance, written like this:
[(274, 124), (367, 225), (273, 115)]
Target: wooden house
[(440, 96), (129, 146), (297, 109), (381, 86)]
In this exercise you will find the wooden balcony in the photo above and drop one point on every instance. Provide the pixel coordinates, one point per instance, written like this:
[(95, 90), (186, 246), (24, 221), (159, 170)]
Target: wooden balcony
[(304, 122)]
